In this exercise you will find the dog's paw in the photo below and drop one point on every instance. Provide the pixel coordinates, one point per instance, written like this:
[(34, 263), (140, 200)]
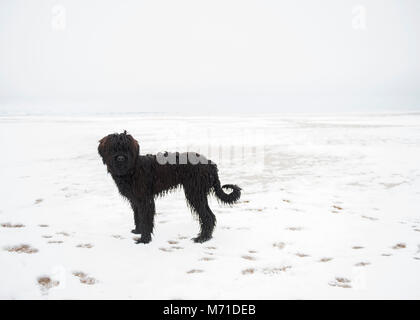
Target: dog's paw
[(144, 240), (201, 239), (135, 231)]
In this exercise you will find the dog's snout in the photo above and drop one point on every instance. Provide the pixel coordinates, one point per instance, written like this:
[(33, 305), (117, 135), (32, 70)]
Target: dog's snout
[(120, 158)]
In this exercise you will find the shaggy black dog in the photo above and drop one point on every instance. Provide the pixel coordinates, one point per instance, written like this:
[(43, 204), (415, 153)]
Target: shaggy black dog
[(143, 178)]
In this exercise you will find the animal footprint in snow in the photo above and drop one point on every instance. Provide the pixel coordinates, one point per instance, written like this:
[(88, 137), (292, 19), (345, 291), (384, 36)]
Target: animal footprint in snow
[(83, 278), (357, 247), (325, 259), (294, 228), (43, 225), (165, 249), (341, 282), (207, 259), (23, 248), (252, 251), (55, 241), (172, 242), (117, 236), (37, 201), (248, 271), (370, 218), (267, 271), (47, 236), (399, 246), (362, 264), (302, 255), (177, 247), (247, 257), (195, 271), (182, 237), (275, 270), (63, 233), (211, 248), (47, 283), (85, 245), (10, 225), (279, 245)]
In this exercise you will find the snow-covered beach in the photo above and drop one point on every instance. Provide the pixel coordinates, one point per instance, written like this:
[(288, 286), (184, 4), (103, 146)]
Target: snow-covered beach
[(330, 209)]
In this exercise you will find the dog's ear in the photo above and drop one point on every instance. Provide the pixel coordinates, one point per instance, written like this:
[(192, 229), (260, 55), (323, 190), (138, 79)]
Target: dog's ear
[(135, 145), (101, 148)]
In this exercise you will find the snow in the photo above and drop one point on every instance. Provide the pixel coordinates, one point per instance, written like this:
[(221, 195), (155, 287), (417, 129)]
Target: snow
[(330, 209)]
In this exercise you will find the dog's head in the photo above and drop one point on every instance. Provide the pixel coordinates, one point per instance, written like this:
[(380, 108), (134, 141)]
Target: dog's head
[(119, 152)]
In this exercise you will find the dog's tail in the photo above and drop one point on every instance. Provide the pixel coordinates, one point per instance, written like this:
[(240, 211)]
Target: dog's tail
[(227, 198)]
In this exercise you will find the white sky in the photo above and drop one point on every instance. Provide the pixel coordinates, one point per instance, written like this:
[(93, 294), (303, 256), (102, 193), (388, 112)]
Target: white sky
[(189, 55)]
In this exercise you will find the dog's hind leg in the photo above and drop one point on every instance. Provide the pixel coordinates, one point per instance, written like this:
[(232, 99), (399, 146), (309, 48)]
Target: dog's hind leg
[(145, 216), (199, 204)]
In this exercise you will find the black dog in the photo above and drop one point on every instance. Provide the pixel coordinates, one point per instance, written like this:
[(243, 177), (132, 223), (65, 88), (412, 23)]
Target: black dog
[(142, 178)]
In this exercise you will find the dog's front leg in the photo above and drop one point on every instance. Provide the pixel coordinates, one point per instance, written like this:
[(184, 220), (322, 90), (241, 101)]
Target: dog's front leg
[(136, 218), (145, 216)]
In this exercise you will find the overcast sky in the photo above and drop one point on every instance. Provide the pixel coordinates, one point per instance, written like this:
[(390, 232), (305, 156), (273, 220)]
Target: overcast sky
[(223, 55)]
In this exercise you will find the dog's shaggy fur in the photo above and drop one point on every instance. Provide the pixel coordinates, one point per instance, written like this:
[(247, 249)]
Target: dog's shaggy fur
[(143, 178)]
